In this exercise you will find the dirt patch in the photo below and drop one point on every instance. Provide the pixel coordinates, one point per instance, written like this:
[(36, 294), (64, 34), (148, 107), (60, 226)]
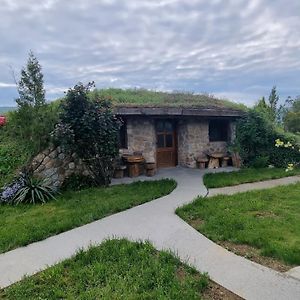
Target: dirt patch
[(196, 223), (254, 255), (216, 292), (265, 214)]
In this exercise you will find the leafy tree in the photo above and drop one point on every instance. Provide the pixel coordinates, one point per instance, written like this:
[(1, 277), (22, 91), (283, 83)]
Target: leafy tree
[(90, 129), (292, 117), (269, 108), (264, 109), (31, 85)]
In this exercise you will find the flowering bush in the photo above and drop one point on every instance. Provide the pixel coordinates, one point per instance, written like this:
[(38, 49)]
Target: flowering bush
[(288, 145), (27, 189), (2, 120), (10, 191)]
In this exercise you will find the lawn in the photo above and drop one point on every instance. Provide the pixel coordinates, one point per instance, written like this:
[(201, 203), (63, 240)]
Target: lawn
[(265, 219), (25, 223), (215, 180), (117, 269), (143, 97), (13, 154)]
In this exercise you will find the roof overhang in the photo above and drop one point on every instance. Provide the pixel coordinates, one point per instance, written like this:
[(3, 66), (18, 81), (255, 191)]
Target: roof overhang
[(177, 111)]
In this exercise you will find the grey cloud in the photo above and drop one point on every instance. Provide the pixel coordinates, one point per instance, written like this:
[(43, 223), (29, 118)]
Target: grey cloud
[(221, 47)]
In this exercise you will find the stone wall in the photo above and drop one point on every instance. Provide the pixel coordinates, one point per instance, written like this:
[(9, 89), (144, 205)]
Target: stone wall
[(193, 140), (192, 133), (141, 137), (54, 165)]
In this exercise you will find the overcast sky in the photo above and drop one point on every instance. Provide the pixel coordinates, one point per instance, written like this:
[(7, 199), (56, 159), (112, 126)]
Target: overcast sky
[(236, 49)]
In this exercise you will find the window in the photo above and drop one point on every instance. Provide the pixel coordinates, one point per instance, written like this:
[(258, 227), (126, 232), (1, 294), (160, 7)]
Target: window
[(218, 131), (123, 135), (165, 134)]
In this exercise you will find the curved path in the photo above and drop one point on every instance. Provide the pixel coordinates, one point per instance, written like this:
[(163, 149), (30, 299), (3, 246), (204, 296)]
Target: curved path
[(157, 222)]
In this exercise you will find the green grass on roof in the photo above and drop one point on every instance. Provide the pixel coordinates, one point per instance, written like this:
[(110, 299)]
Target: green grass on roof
[(142, 97)]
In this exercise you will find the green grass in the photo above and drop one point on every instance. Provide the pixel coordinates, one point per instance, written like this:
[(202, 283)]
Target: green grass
[(117, 269), (24, 224), (143, 97), (13, 155), (265, 219), (215, 180)]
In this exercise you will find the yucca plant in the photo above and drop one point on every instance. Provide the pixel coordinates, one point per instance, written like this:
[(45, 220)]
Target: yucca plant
[(34, 191)]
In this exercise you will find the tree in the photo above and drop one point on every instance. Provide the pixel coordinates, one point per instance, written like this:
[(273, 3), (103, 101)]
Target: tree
[(264, 109), (34, 119), (292, 117), (91, 130), (31, 85), (273, 101)]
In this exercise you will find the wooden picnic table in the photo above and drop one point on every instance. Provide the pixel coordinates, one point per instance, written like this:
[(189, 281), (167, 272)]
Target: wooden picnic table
[(214, 159), (133, 162)]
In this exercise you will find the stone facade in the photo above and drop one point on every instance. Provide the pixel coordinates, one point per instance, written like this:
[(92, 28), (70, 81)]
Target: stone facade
[(141, 137), (193, 140), (55, 166), (192, 134)]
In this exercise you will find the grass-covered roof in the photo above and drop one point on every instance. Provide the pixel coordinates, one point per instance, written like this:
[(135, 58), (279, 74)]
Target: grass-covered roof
[(146, 98)]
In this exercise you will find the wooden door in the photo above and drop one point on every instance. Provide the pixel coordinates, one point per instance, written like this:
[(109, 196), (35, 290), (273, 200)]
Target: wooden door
[(166, 146)]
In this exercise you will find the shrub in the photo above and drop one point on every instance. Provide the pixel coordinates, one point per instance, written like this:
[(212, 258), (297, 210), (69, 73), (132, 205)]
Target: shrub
[(27, 189), (90, 129), (10, 191), (260, 162), (255, 136), (78, 182)]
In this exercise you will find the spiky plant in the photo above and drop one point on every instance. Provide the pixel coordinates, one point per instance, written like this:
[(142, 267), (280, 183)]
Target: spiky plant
[(34, 191)]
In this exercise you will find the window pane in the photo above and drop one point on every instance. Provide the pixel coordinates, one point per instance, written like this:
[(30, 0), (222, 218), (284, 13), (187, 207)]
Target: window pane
[(169, 140), (168, 126), (160, 141), (160, 126), (123, 136), (218, 131)]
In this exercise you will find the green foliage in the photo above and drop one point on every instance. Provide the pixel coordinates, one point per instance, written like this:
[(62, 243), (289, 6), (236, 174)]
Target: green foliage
[(273, 102), (31, 85), (136, 97), (34, 191), (73, 209), (292, 117), (260, 161), (13, 155), (90, 129), (270, 110), (222, 179), (255, 135), (264, 109), (77, 182), (117, 269), (32, 125)]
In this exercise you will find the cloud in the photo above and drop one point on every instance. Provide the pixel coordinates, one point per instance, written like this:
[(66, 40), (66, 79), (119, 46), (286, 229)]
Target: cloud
[(220, 47)]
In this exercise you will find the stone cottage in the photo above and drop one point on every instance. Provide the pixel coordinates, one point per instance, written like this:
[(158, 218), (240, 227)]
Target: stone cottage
[(170, 136)]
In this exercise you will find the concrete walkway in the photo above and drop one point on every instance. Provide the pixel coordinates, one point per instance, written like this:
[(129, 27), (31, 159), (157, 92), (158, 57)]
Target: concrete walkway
[(157, 222)]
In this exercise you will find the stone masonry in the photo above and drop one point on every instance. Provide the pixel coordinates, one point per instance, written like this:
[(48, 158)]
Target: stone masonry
[(55, 165), (192, 134), (141, 137), (193, 140)]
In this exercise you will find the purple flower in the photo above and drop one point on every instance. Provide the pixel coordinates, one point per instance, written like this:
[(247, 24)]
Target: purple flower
[(9, 191)]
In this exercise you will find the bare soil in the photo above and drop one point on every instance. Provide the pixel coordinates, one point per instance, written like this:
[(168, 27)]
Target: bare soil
[(253, 254), (217, 292)]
